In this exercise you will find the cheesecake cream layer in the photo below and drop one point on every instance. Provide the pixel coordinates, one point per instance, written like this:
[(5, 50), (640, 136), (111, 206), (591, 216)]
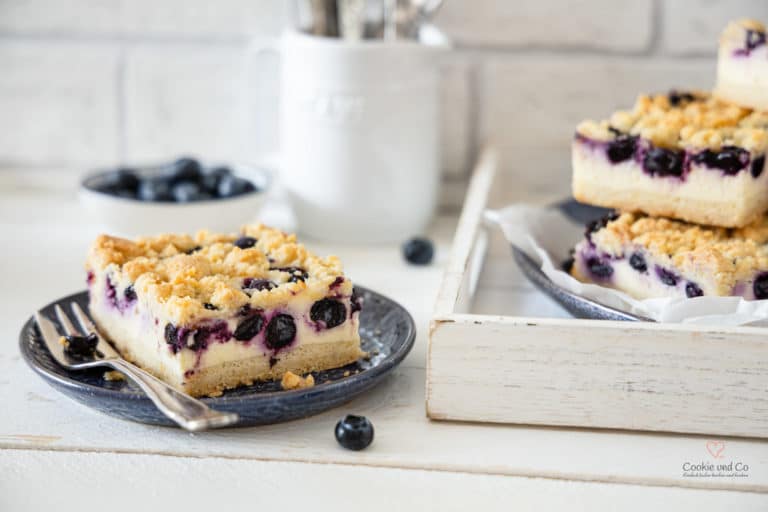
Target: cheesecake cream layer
[(743, 79), (138, 333), (703, 195)]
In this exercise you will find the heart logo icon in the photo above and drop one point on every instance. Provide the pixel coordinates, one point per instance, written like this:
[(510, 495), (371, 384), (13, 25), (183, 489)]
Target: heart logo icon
[(716, 448)]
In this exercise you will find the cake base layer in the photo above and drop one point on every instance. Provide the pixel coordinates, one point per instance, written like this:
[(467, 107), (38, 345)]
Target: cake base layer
[(704, 196), (213, 380)]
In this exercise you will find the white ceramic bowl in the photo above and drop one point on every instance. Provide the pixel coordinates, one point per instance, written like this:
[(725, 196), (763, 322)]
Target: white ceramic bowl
[(131, 218)]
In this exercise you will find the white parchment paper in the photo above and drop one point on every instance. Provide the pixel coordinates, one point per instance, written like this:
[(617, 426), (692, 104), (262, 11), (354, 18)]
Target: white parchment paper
[(547, 235)]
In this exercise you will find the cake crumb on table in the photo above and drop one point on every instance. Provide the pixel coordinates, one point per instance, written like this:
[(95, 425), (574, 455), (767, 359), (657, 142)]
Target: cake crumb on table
[(113, 375), (292, 381)]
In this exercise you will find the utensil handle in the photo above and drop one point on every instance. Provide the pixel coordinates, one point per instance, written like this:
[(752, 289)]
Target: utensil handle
[(189, 413)]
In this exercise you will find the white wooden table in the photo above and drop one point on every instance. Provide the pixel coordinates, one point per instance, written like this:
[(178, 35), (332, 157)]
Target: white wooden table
[(54, 452)]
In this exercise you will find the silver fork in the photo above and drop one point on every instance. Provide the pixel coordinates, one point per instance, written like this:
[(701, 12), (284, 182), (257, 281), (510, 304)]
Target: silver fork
[(189, 413)]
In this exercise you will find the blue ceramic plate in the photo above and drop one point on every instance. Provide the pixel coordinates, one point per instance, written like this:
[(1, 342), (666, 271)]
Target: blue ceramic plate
[(579, 307), (387, 331)]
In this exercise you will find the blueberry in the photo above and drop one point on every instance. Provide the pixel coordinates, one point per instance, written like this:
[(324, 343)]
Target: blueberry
[(356, 303), (154, 189), (354, 432), (677, 97), (567, 264), (637, 262), (730, 159), (209, 306), (210, 180), (281, 331), (186, 191), (245, 242), (758, 164), (621, 148), (754, 39), (667, 277), (172, 336), (121, 180), (760, 286), (598, 224), (111, 292), (184, 169), (199, 340), (128, 194), (248, 328), (297, 273), (230, 186), (330, 312), (693, 290), (663, 162), (129, 293), (250, 283), (599, 268), (418, 251), (81, 347)]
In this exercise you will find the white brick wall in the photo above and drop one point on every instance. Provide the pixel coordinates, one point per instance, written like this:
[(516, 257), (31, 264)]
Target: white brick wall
[(561, 24), (58, 103), (182, 101), (94, 82), (693, 26), (196, 19), (534, 128)]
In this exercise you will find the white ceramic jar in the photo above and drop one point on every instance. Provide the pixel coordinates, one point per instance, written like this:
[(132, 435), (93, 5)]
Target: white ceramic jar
[(359, 136)]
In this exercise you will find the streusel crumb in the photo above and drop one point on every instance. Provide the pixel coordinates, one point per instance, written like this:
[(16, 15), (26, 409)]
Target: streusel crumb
[(113, 375), (680, 120), (292, 381), (198, 276)]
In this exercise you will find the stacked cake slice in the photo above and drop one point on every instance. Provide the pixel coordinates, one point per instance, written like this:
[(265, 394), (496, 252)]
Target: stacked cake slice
[(742, 66), (686, 172)]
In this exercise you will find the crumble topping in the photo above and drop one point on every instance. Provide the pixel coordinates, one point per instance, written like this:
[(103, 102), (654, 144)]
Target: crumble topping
[(735, 32), (684, 120), (292, 381), (113, 376), (202, 275), (728, 256)]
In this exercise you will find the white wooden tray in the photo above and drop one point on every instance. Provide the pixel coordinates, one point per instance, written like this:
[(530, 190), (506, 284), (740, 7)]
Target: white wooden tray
[(500, 351)]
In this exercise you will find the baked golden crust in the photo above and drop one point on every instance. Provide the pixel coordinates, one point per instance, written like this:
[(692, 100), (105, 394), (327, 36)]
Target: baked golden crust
[(683, 120), (183, 273), (727, 256)]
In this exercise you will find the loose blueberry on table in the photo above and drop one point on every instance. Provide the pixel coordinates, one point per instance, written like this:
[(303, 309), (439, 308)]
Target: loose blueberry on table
[(182, 181), (418, 251), (354, 432)]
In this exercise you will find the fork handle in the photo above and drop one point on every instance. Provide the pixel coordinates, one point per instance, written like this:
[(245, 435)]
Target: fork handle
[(190, 413)]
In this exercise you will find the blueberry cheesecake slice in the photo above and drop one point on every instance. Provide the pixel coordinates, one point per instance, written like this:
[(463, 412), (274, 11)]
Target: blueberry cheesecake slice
[(685, 155), (210, 312), (742, 65), (655, 257)]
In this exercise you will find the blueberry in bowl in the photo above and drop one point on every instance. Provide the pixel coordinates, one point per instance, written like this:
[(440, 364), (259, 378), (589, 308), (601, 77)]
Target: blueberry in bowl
[(181, 196)]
